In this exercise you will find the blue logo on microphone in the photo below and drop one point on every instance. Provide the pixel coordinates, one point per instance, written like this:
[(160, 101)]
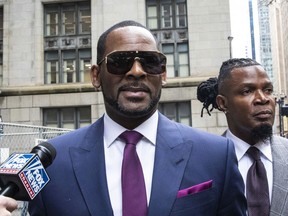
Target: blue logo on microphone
[(29, 169), (34, 177)]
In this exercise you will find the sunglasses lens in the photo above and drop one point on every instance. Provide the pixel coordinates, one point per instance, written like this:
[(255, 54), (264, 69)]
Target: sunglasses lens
[(153, 62), (120, 62)]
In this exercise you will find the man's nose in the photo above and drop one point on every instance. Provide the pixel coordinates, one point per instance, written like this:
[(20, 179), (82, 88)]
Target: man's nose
[(261, 97), (136, 70)]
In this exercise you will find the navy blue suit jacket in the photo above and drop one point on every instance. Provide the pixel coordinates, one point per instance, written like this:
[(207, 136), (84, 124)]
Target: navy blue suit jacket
[(184, 157)]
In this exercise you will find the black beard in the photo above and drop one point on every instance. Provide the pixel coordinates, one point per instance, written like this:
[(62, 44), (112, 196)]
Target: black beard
[(133, 113), (262, 133)]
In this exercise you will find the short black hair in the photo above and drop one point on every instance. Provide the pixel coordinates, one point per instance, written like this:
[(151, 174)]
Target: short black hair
[(103, 37), (207, 91), (229, 65)]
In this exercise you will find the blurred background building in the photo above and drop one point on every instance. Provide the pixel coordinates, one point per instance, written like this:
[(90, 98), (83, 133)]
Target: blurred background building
[(48, 46), (278, 13)]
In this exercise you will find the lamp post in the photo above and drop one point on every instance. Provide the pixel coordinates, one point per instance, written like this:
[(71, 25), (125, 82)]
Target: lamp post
[(280, 102), (1, 128), (230, 38)]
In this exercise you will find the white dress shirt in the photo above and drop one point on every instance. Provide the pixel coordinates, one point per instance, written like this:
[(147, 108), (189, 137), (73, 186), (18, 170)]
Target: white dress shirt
[(113, 150), (245, 162)]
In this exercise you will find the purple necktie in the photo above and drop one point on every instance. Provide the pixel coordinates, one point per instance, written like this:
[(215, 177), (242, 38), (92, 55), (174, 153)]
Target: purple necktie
[(257, 190), (134, 201)]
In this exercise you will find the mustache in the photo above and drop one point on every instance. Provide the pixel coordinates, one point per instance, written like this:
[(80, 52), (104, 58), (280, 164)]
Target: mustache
[(134, 85)]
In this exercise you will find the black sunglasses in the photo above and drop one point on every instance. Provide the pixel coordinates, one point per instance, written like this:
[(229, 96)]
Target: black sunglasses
[(120, 62)]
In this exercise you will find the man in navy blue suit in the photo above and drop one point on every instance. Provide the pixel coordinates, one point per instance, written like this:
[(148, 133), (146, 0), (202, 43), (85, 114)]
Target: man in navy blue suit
[(185, 171)]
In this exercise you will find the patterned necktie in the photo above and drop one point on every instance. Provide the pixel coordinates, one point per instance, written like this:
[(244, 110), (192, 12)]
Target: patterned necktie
[(257, 190), (134, 201)]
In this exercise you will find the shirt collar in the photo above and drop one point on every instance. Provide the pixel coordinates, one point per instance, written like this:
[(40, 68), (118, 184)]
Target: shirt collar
[(241, 147), (112, 130)]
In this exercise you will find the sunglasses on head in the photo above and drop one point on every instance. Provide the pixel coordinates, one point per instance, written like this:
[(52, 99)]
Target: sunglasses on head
[(120, 62)]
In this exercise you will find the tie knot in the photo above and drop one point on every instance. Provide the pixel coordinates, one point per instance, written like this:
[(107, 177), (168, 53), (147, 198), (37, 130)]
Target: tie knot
[(131, 137), (254, 153)]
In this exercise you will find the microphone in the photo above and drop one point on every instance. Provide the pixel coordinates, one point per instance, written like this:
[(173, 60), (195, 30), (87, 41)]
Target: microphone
[(22, 176)]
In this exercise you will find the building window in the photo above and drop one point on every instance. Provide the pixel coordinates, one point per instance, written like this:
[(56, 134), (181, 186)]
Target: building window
[(68, 117), (67, 42), (177, 59), (167, 19), (163, 14), (177, 111), (181, 16), (67, 19)]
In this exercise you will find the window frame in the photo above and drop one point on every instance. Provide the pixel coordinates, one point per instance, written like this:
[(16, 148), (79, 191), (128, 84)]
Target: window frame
[(176, 60), (61, 72), (60, 121), (59, 9), (60, 44), (177, 110), (174, 16)]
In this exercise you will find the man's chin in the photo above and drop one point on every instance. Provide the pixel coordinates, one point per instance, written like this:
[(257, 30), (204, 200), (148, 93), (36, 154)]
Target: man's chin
[(133, 113), (138, 111), (133, 109), (262, 132)]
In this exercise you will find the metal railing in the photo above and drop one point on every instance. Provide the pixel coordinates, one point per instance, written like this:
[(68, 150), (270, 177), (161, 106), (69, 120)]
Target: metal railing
[(20, 138)]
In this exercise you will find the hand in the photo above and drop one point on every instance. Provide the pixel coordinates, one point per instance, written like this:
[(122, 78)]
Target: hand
[(7, 205)]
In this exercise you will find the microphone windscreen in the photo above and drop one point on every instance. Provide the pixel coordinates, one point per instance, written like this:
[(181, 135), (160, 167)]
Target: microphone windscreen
[(46, 152)]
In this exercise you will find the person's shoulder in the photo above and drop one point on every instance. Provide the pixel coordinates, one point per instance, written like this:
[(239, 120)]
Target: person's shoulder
[(213, 145), (279, 147), (204, 135), (76, 137), (198, 135), (279, 140), (189, 130)]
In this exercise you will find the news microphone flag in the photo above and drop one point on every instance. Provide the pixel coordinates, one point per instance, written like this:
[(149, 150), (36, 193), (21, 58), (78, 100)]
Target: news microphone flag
[(29, 169)]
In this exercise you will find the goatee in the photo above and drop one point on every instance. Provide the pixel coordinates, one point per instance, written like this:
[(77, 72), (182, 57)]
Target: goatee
[(133, 113), (262, 133)]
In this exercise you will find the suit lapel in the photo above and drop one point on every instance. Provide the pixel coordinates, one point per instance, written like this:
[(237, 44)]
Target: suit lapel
[(89, 164), (170, 160), (280, 175)]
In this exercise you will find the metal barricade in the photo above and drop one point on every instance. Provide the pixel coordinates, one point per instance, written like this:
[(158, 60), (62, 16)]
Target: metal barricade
[(19, 138)]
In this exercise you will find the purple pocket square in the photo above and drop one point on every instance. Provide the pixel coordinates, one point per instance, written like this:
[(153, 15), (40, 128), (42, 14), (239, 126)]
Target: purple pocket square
[(195, 189)]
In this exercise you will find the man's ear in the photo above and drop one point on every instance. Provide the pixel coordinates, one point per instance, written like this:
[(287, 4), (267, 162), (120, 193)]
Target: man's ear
[(221, 101), (95, 77), (164, 77)]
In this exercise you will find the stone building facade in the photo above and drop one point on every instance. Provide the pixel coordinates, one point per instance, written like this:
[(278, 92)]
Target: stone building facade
[(48, 47)]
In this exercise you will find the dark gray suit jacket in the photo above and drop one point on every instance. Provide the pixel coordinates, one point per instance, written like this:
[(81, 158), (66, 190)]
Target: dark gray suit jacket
[(279, 205), (279, 202)]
